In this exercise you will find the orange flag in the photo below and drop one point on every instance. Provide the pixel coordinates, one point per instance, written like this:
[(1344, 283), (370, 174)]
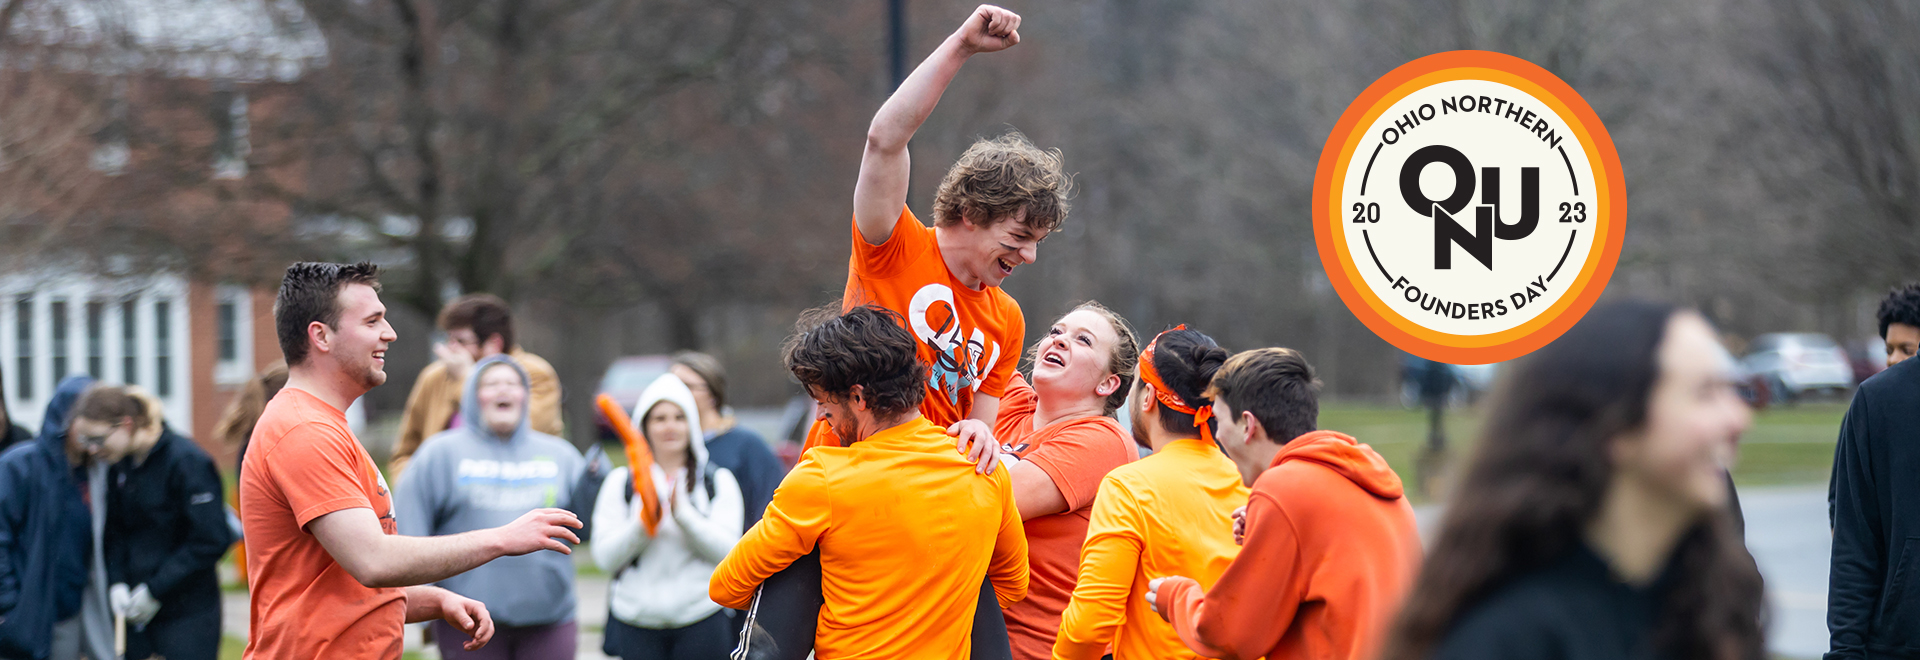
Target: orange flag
[(639, 460)]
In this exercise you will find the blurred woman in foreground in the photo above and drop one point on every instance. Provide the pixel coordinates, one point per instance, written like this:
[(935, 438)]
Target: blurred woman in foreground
[(1593, 521)]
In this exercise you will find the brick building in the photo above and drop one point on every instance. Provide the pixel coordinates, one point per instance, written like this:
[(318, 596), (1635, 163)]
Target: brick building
[(162, 135)]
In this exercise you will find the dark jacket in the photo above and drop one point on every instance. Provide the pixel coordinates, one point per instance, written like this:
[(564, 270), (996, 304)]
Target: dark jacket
[(167, 526), (46, 532), (753, 465), (1873, 593), (1570, 609), (12, 434)]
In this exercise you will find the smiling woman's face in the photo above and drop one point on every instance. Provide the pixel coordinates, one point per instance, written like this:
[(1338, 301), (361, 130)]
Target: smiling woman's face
[(1076, 353), (502, 397)]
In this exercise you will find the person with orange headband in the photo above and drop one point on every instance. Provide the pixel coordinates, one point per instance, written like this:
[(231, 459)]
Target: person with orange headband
[(1170, 513)]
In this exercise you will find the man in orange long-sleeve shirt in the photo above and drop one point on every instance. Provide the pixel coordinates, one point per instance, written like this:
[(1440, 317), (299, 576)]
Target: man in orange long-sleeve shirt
[(1166, 514), (904, 526), (1330, 544)]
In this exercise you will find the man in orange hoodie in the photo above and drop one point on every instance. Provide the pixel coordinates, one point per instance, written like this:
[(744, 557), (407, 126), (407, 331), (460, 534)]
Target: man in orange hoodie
[(1329, 546)]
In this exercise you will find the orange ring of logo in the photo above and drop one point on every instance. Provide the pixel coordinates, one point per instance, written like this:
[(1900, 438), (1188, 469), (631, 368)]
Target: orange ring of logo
[(1609, 216)]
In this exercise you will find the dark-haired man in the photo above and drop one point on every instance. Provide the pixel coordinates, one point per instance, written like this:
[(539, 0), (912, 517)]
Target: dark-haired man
[(1328, 544), (1167, 514), (1872, 501), (1899, 318), (330, 577), (903, 525), (478, 326)]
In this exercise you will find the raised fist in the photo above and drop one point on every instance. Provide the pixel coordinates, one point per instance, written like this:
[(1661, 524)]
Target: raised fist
[(990, 29)]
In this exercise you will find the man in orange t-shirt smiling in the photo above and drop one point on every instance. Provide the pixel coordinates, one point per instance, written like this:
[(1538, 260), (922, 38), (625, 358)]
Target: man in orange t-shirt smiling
[(329, 576), (992, 209)]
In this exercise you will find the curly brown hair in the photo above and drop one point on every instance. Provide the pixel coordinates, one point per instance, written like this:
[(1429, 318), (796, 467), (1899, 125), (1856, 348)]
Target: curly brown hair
[(996, 178), (868, 346)]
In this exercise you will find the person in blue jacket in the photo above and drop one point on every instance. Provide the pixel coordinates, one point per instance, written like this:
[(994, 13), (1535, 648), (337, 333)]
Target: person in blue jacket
[(45, 535)]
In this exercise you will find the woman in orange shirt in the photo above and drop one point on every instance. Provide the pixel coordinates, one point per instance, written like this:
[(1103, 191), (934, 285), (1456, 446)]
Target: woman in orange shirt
[(1167, 514), (1059, 439)]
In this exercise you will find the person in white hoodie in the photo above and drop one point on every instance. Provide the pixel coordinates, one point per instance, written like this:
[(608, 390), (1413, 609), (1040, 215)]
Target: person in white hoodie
[(658, 602)]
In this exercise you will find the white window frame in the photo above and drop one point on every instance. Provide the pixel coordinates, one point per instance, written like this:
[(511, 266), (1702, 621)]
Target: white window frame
[(240, 368)]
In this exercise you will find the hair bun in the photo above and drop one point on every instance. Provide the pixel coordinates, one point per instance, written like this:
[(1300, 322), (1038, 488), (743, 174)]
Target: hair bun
[(1207, 359)]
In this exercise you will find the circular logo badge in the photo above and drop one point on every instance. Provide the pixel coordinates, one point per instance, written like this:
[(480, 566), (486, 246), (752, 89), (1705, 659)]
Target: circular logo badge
[(1469, 207)]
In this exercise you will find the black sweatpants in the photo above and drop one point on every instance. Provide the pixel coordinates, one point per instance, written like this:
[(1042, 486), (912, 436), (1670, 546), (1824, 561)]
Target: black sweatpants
[(706, 639), (190, 636), (789, 610)]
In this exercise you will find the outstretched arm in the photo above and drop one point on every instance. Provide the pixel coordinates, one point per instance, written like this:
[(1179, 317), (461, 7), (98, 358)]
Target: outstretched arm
[(885, 167), (375, 559)]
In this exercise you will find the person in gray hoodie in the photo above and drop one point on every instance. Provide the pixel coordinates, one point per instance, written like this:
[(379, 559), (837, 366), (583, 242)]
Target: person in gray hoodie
[(487, 470), (658, 602)]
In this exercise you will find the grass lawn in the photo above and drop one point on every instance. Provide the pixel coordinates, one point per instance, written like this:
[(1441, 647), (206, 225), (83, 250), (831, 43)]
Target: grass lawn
[(1785, 446)]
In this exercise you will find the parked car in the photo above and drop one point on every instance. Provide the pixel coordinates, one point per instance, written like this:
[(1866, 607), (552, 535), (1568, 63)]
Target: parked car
[(625, 379), (1796, 364), (1868, 357)]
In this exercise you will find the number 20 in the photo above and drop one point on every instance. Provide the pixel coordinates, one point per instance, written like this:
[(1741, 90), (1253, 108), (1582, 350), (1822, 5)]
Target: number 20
[(1369, 212)]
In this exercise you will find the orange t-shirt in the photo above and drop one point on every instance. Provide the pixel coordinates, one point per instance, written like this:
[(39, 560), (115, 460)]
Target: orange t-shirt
[(970, 340), (1170, 513), (1076, 454), (905, 529), (306, 464)]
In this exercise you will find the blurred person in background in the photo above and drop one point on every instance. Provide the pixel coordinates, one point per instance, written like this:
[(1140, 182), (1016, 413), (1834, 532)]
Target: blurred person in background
[(1170, 513), (166, 530), (658, 602), (111, 413), (487, 472), (236, 424), (1899, 317), (10, 433), (1592, 520), (1873, 595), (478, 326), (1328, 541), (730, 445), (46, 528), (235, 429), (1058, 440)]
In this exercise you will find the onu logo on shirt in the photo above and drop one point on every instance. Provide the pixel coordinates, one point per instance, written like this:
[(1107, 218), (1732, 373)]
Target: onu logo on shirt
[(956, 365)]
